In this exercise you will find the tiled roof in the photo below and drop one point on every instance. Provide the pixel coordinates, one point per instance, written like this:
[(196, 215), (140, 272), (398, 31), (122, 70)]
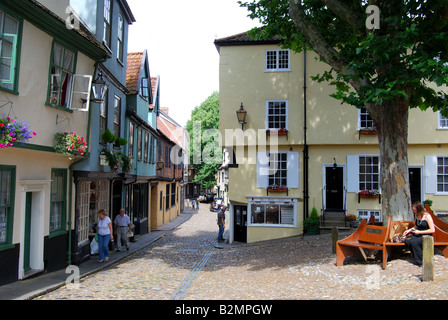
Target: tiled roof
[(170, 130), (243, 39), (133, 70)]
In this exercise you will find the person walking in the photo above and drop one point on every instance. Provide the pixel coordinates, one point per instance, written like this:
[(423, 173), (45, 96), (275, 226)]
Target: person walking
[(221, 222), (122, 227), (104, 235)]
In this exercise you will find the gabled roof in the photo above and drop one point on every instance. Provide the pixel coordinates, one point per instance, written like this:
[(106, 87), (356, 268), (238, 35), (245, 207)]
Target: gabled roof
[(170, 129), (243, 39)]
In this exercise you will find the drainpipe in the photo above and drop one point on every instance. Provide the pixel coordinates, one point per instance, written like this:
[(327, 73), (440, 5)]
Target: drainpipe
[(305, 147)]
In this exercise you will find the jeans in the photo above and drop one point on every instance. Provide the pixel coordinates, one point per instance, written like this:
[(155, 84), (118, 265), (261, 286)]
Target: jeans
[(220, 233), (103, 245)]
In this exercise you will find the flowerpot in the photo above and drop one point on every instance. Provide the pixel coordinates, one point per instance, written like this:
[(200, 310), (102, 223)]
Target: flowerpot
[(277, 190), (369, 195)]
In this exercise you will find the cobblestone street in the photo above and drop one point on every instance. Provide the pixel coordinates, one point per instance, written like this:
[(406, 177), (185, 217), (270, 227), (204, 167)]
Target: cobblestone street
[(185, 264)]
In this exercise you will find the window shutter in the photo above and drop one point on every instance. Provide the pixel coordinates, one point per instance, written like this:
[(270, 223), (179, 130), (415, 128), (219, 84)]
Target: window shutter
[(80, 92), (262, 169), (431, 174), (352, 173), (293, 170)]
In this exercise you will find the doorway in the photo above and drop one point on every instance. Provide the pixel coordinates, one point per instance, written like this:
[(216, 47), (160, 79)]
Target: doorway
[(334, 188), (415, 183), (240, 223)]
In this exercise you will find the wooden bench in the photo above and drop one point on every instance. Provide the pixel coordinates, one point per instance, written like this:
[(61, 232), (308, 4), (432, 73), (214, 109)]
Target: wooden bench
[(367, 236), (440, 240), (441, 224)]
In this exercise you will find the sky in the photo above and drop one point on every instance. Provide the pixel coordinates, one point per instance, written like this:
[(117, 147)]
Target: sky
[(179, 35)]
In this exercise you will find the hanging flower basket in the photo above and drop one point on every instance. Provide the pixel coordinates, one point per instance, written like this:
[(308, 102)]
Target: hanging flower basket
[(70, 144), (13, 131), (117, 160), (278, 132)]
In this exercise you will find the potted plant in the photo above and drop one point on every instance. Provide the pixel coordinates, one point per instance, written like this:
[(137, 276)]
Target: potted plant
[(113, 159), (311, 224), (13, 131), (107, 137), (70, 144)]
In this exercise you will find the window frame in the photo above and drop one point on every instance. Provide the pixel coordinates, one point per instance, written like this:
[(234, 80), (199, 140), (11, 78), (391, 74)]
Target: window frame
[(69, 85), (277, 68), (363, 113), (63, 202), (117, 116), (441, 118), (107, 23), (120, 38), (365, 214), (372, 165), (10, 211), (15, 65), (103, 119), (272, 201), (286, 114), (443, 175)]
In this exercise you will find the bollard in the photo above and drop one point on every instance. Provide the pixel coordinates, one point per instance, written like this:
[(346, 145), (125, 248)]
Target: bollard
[(428, 258), (334, 237)]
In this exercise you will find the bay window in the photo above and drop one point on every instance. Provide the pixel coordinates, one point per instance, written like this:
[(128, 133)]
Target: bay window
[(272, 211)]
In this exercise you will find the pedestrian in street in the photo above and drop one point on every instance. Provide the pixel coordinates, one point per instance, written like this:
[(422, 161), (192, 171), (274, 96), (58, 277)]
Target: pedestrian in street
[(193, 203), (188, 202), (197, 204), (221, 222), (104, 235), (122, 227)]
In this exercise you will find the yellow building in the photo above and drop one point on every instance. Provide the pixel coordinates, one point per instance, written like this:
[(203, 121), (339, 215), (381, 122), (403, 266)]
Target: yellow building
[(326, 153)]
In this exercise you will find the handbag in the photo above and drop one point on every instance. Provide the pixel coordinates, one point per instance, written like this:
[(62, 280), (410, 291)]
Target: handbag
[(398, 238)]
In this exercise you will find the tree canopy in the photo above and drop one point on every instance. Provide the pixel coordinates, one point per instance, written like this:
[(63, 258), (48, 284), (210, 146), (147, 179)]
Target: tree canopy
[(402, 64), (204, 154)]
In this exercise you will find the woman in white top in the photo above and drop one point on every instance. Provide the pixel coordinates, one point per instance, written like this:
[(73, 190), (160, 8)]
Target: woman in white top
[(105, 234)]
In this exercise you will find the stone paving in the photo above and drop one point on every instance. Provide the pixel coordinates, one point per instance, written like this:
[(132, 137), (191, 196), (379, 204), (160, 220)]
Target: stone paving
[(185, 265)]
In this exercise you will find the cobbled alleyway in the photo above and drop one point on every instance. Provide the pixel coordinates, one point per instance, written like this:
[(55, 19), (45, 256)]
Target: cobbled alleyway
[(185, 265)]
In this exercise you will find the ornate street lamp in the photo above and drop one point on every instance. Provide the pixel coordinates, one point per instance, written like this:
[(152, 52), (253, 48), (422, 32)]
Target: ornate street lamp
[(241, 115), (99, 88)]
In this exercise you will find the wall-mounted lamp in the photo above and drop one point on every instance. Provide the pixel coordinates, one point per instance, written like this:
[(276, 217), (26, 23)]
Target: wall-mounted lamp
[(241, 115), (99, 88), (160, 164)]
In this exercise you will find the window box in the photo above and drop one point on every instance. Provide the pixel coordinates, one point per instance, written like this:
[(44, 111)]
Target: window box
[(369, 194), (368, 131), (276, 188), (277, 132)]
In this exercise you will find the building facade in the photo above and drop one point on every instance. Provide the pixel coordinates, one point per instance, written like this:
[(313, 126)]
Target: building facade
[(47, 69), (302, 149)]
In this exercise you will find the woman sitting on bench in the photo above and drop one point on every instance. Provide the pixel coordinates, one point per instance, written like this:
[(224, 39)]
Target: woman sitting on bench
[(423, 225)]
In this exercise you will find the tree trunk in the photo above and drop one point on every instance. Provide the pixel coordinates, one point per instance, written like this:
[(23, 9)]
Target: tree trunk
[(391, 121)]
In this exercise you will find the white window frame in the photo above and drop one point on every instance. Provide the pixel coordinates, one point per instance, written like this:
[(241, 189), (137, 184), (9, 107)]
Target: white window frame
[(353, 173), (365, 214), (263, 169), (272, 201), (442, 119), (431, 175), (277, 68), (360, 113), (268, 103), (84, 211), (83, 103)]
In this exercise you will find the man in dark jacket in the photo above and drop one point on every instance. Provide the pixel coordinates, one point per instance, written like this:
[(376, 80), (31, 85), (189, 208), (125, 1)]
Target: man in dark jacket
[(221, 222)]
